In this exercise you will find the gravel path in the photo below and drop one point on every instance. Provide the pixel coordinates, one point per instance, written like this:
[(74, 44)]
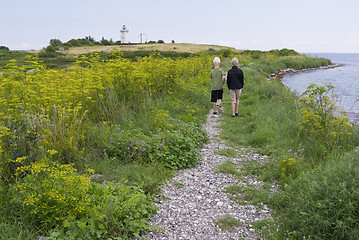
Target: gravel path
[(194, 199)]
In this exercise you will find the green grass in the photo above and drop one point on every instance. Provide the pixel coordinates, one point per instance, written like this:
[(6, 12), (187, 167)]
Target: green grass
[(149, 177), (13, 226), (228, 223), (324, 203), (229, 167), (244, 195), (179, 184), (228, 152)]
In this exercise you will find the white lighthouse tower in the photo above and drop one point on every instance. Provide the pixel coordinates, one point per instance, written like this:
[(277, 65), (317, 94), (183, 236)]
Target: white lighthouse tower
[(124, 31)]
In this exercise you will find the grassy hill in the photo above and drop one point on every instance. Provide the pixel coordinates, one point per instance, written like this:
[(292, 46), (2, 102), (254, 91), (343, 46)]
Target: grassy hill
[(176, 47)]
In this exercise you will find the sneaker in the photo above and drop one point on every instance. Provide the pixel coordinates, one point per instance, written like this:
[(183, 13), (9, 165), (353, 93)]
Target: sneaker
[(219, 106), (236, 114), (214, 112), (233, 115)]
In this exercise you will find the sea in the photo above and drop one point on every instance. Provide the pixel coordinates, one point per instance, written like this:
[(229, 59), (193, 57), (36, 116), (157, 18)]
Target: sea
[(345, 79)]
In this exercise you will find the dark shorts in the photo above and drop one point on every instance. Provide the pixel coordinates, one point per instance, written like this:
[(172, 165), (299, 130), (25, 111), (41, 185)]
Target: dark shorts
[(216, 94)]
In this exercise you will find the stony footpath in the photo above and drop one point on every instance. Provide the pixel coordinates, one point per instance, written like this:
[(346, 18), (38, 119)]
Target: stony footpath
[(194, 199)]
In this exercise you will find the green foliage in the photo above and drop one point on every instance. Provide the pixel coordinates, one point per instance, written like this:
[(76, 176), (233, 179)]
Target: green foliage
[(176, 146), (114, 211), (256, 54), (323, 203), (49, 52)]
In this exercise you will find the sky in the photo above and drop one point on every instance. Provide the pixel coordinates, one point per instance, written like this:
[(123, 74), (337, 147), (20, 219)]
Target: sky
[(303, 25)]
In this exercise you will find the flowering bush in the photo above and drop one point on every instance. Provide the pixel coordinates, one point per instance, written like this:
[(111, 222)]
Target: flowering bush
[(60, 198), (289, 163), (113, 212), (322, 121), (50, 191)]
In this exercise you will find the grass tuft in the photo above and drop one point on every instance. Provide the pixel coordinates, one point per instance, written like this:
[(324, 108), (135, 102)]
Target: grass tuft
[(228, 223)]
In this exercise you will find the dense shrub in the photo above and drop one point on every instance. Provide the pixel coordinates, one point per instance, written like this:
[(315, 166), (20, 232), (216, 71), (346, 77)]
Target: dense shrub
[(174, 145), (4, 48)]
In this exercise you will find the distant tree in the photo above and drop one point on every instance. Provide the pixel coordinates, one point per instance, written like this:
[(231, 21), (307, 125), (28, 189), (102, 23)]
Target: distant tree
[(80, 42), (48, 52), (173, 41), (160, 41), (105, 42), (288, 52), (4, 48), (151, 42), (72, 43), (226, 53), (90, 39), (50, 49), (56, 43)]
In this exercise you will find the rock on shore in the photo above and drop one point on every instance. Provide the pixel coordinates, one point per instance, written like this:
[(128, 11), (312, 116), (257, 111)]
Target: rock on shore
[(280, 74)]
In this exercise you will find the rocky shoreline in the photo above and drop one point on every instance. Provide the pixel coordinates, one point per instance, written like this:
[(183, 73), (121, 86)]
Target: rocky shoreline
[(280, 74)]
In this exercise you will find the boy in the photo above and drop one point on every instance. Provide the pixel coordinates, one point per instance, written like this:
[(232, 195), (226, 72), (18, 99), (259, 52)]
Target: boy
[(218, 79), (235, 83)]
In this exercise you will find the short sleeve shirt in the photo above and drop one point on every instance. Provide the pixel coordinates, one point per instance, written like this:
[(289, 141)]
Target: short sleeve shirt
[(217, 80)]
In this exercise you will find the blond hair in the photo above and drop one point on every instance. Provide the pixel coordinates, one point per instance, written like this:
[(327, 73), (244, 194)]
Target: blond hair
[(235, 62), (216, 61)]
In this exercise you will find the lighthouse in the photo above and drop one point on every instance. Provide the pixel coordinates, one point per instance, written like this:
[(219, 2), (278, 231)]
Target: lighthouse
[(124, 32)]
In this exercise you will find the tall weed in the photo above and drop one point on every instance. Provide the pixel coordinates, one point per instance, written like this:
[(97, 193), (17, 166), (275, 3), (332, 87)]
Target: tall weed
[(323, 203)]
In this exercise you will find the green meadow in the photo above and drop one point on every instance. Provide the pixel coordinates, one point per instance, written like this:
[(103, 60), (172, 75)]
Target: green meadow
[(85, 146)]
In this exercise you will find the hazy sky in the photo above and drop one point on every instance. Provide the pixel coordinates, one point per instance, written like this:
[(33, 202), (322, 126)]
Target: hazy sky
[(302, 25)]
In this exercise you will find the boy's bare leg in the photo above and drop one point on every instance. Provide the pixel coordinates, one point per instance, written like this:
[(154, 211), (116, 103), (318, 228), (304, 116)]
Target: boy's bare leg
[(214, 107), (237, 106)]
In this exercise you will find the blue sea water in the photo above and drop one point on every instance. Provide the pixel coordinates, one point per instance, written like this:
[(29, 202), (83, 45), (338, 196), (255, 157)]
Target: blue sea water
[(345, 79)]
